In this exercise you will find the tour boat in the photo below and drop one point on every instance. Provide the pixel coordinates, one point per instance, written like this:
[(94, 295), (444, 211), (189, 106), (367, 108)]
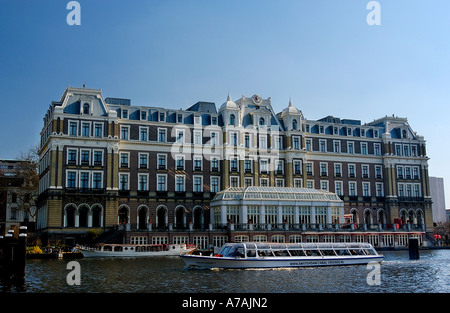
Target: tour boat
[(134, 250), (274, 255)]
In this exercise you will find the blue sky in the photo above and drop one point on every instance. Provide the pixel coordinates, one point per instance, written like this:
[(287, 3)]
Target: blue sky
[(321, 54)]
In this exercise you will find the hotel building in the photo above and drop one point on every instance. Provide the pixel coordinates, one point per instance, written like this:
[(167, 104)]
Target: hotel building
[(160, 175)]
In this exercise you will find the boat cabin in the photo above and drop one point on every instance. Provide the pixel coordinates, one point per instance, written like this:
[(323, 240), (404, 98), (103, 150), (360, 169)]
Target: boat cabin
[(287, 250)]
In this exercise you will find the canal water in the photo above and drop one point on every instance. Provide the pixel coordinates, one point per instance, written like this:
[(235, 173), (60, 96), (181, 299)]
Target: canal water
[(397, 274)]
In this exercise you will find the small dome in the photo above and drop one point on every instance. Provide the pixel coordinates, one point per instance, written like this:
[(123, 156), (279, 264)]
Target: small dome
[(291, 109), (229, 104)]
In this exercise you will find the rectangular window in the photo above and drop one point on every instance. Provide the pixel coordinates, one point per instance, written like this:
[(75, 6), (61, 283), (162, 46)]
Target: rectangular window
[(143, 133), (322, 146), (162, 134), (376, 149), (180, 162), (350, 148), (162, 162), (296, 143), (179, 183), (73, 128), (379, 187), (323, 169), (337, 146), (234, 164), (234, 181), (364, 148), (197, 137), (263, 166), (214, 184), (72, 156), (198, 183), (143, 178), (337, 170), (123, 181), (338, 188), (366, 189), (214, 137), (297, 167), (352, 189), (161, 182), (124, 160), (97, 180), (365, 171), (351, 170), (85, 157), (180, 136), (308, 144), (124, 132), (71, 180), (198, 163), (214, 164), (98, 130), (247, 141), (143, 160), (248, 166), (84, 180), (98, 158), (85, 129)]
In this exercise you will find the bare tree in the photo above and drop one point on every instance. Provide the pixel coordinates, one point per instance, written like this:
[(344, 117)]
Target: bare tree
[(28, 171)]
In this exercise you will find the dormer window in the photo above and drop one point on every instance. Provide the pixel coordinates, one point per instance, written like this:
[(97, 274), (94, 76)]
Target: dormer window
[(86, 108), (143, 115), (197, 120), (262, 121), (162, 116), (294, 125)]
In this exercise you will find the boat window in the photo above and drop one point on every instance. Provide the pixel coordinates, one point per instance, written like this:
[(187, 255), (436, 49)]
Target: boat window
[(120, 249), (251, 253), (250, 246), (312, 253), (107, 248), (281, 253), (224, 250), (264, 253), (369, 252), (297, 252), (236, 251), (356, 252), (342, 252), (328, 252)]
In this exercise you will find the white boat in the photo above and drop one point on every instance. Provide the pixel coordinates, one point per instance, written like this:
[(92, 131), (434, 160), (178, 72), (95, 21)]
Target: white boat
[(275, 255), (134, 250)]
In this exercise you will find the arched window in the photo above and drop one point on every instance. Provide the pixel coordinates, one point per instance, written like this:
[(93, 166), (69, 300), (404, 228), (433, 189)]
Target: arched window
[(83, 214), (294, 125), (232, 119), (70, 216), (86, 108), (97, 216), (261, 121), (142, 216)]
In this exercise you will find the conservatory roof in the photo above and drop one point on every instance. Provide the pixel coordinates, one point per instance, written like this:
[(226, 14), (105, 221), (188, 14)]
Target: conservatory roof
[(276, 194)]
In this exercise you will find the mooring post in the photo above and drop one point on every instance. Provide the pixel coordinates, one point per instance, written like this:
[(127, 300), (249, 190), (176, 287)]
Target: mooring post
[(413, 245)]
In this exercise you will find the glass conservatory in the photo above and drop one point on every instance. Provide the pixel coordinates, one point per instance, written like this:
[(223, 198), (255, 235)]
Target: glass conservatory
[(268, 208)]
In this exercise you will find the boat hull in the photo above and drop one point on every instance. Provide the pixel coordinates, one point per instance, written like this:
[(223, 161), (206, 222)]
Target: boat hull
[(196, 261)]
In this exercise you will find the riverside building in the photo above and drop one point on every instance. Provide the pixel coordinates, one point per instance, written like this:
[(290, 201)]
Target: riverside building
[(206, 176)]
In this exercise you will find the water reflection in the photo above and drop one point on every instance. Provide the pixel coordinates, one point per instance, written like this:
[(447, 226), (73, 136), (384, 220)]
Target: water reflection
[(167, 275)]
